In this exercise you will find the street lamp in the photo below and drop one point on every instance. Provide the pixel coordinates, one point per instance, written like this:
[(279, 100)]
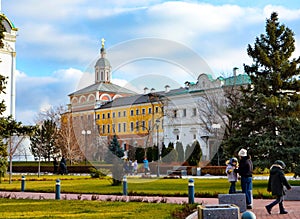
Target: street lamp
[(85, 132), (157, 143)]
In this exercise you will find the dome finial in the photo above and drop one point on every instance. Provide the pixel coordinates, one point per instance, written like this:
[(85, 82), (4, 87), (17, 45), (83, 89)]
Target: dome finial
[(102, 42)]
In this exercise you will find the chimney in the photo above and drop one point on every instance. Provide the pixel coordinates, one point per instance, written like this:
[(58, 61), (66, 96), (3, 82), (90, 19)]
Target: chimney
[(152, 90), (167, 88), (235, 71), (146, 90)]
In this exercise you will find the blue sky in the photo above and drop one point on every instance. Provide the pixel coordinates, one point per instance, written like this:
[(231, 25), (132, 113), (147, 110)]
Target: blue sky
[(149, 42)]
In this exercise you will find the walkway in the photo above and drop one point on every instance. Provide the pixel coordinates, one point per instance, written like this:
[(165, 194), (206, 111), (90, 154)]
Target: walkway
[(293, 207)]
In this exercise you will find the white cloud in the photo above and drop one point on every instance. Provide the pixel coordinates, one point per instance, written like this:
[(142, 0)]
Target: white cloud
[(65, 33), (39, 93), (283, 12)]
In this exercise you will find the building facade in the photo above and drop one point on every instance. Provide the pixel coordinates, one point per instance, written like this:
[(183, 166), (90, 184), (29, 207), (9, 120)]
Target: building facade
[(8, 64), (195, 112)]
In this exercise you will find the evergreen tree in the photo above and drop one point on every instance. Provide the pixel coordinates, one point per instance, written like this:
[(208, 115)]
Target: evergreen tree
[(180, 152), (140, 154), (267, 119), (188, 152), (195, 155), (43, 141), (170, 154), (114, 155), (114, 150)]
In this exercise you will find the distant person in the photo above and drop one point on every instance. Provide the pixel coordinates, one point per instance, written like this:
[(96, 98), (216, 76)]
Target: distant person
[(275, 185), (135, 167), (63, 165), (55, 165), (130, 167), (146, 165), (245, 170), (232, 175)]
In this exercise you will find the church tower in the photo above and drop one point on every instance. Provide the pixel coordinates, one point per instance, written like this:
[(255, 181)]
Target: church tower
[(8, 64), (102, 67)]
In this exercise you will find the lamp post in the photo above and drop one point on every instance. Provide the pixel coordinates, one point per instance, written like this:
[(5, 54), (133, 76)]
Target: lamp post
[(157, 142), (85, 132)]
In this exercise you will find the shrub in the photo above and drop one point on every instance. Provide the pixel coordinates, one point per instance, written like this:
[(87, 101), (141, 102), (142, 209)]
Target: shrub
[(100, 173)]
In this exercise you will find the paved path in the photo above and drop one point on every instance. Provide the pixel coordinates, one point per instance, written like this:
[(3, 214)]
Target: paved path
[(293, 207)]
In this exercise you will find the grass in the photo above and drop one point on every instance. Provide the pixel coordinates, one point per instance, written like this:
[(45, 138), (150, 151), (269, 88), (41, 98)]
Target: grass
[(136, 186), (24, 208), (18, 208)]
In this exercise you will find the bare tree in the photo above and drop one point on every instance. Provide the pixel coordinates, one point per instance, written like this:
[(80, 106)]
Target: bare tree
[(67, 141), (14, 142), (53, 113)]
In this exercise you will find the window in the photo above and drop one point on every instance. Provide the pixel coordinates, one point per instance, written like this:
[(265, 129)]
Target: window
[(175, 113), (156, 109), (131, 127), (194, 111), (144, 111), (119, 127), (137, 112), (177, 137), (108, 115), (137, 126), (184, 113), (144, 125), (113, 128), (194, 136), (108, 128), (131, 112), (98, 116), (114, 115), (103, 129), (124, 113), (149, 125), (103, 116), (119, 114), (149, 111), (124, 127)]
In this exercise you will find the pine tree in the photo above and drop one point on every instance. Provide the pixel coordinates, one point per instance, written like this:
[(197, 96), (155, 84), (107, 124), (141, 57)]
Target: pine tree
[(113, 156), (267, 119), (114, 150), (180, 151), (195, 155)]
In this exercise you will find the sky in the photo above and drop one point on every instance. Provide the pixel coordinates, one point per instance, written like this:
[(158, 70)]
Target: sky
[(149, 43)]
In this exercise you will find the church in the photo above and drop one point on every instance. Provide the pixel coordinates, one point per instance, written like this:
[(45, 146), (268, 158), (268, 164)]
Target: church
[(8, 63), (103, 110)]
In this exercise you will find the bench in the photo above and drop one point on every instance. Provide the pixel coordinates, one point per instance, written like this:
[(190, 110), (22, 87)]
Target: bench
[(177, 171)]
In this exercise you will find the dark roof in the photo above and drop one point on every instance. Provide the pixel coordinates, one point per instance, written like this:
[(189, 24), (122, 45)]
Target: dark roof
[(130, 100), (104, 87), (142, 98)]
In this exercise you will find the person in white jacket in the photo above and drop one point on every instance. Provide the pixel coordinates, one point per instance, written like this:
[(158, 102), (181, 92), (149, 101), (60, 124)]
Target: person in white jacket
[(231, 174)]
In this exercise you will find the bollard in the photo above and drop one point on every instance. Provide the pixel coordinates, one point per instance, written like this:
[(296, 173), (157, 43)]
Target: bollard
[(57, 189), (191, 191), (124, 185), (23, 184)]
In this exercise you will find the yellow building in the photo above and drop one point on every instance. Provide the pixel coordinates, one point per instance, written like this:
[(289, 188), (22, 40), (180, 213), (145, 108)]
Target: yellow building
[(135, 120)]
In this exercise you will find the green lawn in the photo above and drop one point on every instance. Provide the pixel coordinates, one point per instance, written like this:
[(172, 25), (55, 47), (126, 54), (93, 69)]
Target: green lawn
[(24, 208), (136, 186)]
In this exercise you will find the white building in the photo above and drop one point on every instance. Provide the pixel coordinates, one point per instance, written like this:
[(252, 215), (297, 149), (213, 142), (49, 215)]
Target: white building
[(198, 112), (8, 64)]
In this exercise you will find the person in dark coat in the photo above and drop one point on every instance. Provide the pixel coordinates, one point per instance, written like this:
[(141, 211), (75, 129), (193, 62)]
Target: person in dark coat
[(63, 165), (276, 183), (245, 170)]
